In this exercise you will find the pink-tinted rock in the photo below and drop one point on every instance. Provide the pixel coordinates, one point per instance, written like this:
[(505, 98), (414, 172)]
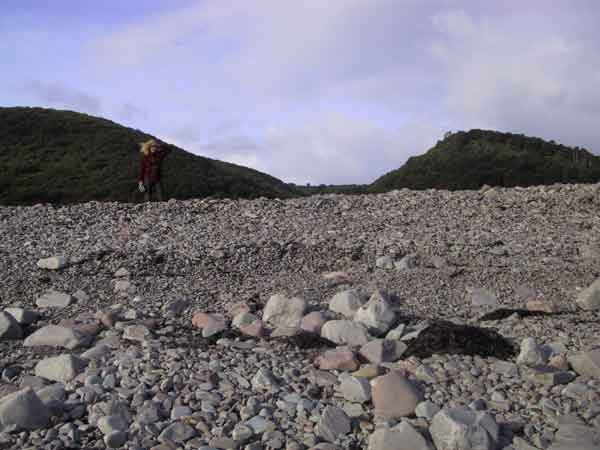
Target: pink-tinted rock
[(313, 322), (254, 329), (394, 396), (200, 319), (559, 361), (542, 306), (337, 359), (239, 308)]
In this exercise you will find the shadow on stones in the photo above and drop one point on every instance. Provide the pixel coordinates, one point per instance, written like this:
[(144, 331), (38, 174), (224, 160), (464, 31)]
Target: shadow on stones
[(503, 313), (304, 340), (442, 337)]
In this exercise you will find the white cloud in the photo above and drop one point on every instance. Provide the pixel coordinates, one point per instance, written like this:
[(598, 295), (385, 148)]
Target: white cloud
[(59, 95)]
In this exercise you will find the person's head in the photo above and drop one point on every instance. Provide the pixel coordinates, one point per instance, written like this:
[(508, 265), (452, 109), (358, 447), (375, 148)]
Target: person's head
[(150, 146)]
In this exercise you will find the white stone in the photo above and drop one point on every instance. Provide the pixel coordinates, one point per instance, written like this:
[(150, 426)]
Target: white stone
[(531, 355), (345, 332), (61, 368), (463, 428), (377, 314), (57, 336), (356, 389), (284, 311), (23, 316), (24, 410), (589, 298), (347, 302), (401, 437), (53, 263), (53, 299)]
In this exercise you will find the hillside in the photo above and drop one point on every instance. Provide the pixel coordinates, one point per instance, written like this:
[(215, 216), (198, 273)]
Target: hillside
[(469, 160), (64, 157)]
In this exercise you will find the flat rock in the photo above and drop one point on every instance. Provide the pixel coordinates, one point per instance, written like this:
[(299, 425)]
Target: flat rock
[(589, 298), (61, 368), (52, 263), (401, 437), (177, 432), (356, 389), (482, 297), (313, 322), (383, 350), (347, 302), (139, 333), (463, 428), (377, 314), (53, 299), (334, 422), (573, 435), (9, 327), (24, 410), (57, 336), (345, 332), (385, 262), (586, 363), (548, 376), (284, 311), (394, 396)]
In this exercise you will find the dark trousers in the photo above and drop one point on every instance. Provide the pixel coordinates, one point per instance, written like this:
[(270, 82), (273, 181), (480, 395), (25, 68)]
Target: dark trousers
[(152, 187)]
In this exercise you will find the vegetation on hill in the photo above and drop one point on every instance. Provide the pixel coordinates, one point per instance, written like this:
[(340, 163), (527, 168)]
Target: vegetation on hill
[(63, 156), (348, 189), (469, 160)]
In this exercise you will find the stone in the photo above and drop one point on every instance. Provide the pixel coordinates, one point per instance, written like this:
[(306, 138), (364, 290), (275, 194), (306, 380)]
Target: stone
[(408, 262), (542, 306), (396, 333), (124, 287), (264, 380), (214, 325), (401, 437), (23, 316), (383, 350), (9, 327), (385, 262), (347, 302), (548, 376), (345, 332), (57, 336), (52, 396), (356, 389), (243, 318), (377, 314), (177, 432), (368, 371), (255, 329), (108, 424), (426, 410), (334, 422), (337, 359), (589, 298), (115, 439), (284, 311), (394, 396), (313, 322), (53, 263), (61, 368), (97, 352), (24, 410), (281, 332), (239, 308), (177, 307), (121, 273), (574, 435), (482, 297), (531, 355), (464, 429), (139, 333), (53, 299), (586, 363)]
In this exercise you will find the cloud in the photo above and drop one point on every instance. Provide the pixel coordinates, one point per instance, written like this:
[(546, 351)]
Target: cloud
[(129, 112), (57, 94)]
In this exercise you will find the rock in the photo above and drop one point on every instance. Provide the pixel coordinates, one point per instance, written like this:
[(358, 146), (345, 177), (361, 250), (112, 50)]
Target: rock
[(255, 329), (355, 389), (313, 322), (347, 302), (548, 376), (239, 308), (53, 396), (586, 363), (176, 307), (9, 327), (177, 432), (401, 437), (61, 368), (394, 396), (139, 333), (108, 424), (243, 318), (284, 311), (115, 439), (283, 332), (214, 325), (385, 262), (23, 316), (531, 355), (426, 410), (264, 380), (464, 429), (396, 333), (57, 336), (406, 263), (121, 273), (368, 371), (97, 352), (589, 298), (542, 306), (53, 299), (124, 287), (337, 359), (383, 350), (53, 263), (482, 297), (574, 435), (24, 410), (377, 314), (334, 422), (345, 332), (81, 296)]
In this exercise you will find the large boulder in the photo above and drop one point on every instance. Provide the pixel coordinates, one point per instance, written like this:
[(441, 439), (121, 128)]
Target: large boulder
[(347, 302), (53, 299), (377, 314), (589, 298), (394, 396), (464, 429), (586, 363), (284, 311), (24, 410), (9, 327), (57, 336), (61, 368), (345, 332), (401, 437)]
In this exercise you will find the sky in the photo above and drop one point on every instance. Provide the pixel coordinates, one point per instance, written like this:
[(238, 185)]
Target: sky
[(311, 91)]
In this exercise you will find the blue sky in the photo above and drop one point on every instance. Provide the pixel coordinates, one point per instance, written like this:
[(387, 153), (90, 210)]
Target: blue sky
[(322, 92)]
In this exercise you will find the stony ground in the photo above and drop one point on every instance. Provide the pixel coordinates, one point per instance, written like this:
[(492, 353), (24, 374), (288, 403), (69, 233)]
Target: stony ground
[(126, 366)]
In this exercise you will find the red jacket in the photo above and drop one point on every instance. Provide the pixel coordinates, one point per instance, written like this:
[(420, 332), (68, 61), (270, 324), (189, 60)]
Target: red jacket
[(150, 165)]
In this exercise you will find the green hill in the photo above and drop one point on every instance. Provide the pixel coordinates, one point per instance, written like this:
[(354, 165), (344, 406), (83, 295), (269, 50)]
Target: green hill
[(63, 156), (469, 160)]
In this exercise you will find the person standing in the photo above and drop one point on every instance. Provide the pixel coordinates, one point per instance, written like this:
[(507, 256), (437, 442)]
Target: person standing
[(152, 155)]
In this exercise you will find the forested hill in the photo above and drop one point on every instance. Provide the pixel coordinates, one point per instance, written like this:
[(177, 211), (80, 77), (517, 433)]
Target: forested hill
[(63, 157), (469, 160)]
